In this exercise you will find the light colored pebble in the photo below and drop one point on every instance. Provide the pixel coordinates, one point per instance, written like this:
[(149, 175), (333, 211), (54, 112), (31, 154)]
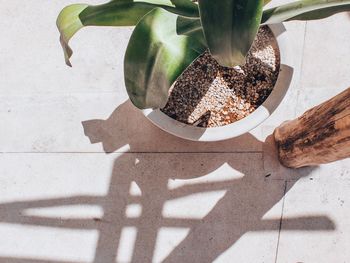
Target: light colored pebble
[(209, 95)]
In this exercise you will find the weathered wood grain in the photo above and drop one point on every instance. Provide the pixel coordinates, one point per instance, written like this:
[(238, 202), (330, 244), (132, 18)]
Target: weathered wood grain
[(320, 135)]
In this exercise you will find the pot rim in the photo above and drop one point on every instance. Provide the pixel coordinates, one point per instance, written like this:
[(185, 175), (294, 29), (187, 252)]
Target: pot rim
[(246, 124)]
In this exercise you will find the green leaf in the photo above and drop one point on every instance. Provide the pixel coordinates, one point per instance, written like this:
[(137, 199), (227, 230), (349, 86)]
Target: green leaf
[(115, 13), (129, 12), (305, 10), (230, 27), (187, 26), (157, 55), (68, 24)]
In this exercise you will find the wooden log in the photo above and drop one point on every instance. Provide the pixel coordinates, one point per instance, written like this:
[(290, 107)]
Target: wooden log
[(320, 135)]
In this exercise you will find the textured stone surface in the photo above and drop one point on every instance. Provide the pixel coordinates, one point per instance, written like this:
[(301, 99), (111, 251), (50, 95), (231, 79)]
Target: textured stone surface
[(86, 207), (154, 198), (324, 204)]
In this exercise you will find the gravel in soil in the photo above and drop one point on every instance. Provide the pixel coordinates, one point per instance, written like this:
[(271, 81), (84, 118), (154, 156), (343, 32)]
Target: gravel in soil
[(209, 95)]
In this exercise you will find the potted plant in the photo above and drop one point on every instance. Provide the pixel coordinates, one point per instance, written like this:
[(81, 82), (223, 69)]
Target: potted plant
[(222, 37)]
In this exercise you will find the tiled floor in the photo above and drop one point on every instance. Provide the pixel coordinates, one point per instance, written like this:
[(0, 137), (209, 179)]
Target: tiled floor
[(84, 177)]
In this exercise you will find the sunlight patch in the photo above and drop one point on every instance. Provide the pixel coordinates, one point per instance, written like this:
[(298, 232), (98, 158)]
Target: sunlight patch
[(66, 212)]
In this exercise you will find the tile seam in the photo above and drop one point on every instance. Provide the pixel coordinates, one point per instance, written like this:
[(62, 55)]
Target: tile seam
[(281, 219)]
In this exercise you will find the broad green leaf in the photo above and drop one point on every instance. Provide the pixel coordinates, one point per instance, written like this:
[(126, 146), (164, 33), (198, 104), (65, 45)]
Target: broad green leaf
[(230, 27), (187, 26), (129, 12), (115, 13), (305, 10), (68, 24), (157, 55)]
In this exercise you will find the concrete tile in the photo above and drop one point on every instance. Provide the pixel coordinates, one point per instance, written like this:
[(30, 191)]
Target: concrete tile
[(32, 58), (57, 123), (39, 190), (73, 208), (285, 111), (339, 170), (47, 206), (40, 244), (45, 123), (322, 234), (326, 58), (41, 176), (311, 97), (296, 35), (287, 108)]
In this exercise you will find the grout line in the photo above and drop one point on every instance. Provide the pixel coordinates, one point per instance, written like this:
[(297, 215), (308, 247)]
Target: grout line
[(301, 72), (132, 152), (280, 226)]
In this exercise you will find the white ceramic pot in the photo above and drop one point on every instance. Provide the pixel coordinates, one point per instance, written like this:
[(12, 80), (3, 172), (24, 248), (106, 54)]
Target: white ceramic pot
[(246, 124)]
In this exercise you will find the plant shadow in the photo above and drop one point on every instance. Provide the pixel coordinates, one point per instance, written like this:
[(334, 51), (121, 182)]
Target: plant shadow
[(174, 170)]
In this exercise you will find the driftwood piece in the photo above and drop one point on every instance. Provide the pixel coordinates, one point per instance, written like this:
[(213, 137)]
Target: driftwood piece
[(320, 135)]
